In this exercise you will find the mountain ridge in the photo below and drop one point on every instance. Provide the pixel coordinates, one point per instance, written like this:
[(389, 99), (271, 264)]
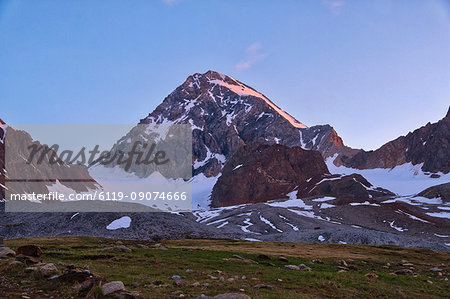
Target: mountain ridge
[(225, 114), (429, 144)]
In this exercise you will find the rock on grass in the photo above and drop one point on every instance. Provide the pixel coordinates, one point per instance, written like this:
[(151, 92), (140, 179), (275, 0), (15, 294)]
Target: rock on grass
[(48, 270), (6, 252), (112, 287)]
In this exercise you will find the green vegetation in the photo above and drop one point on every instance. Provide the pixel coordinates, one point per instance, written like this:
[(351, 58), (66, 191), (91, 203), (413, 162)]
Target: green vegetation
[(149, 270)]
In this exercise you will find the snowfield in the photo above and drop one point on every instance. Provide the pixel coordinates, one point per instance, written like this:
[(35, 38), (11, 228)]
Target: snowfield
[(404, 180)]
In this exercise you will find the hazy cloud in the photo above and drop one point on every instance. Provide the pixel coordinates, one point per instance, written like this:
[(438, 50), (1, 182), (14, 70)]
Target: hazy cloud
[(170, 2), (334, 5), (252, 55)]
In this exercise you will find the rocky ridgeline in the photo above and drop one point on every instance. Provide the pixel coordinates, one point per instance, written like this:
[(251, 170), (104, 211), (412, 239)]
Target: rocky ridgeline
[(42, 173), (429, 145)]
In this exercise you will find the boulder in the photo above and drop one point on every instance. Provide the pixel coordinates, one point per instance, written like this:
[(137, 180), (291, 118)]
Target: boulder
[(5, 252), (28, 260), (371, 275), (112, 287), (435, 269), (48, 270), (403, 271), (292, 267), (75, 274), (29, 250), (303, 267), (121, 248), (242, 261), (341, 262)]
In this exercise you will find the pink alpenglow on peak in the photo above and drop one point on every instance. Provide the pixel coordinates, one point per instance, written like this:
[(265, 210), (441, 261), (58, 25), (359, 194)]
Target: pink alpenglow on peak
[(244, 90)]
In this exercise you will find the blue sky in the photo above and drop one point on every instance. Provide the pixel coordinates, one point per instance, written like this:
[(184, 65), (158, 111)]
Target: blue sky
[(372, 69)]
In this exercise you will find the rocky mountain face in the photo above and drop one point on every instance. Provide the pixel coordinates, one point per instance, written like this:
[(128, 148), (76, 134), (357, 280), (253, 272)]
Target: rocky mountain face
[(429, 145), (40, 175), (263, 172), (226, 114)]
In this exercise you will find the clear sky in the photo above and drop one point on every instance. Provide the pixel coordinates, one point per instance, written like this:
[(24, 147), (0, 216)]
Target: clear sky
[(372, 69)]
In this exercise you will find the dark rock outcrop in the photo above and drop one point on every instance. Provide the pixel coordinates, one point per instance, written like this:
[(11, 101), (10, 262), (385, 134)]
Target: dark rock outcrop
[(29, 250), (349, 188), (439, 191), (262, 172)]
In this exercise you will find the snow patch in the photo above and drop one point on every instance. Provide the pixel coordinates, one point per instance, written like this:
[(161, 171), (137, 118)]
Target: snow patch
[(237, 167), (442, 236), (294, 227), (398, 228), (326, 206), (123, 222), (269, 223), (323, 199), (223, 224), (412, 216), (292, 202), (366, 203), (246, 226), (252, 240), (445, 215)]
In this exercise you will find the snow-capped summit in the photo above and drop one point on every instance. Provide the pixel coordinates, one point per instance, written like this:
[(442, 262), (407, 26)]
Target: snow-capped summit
[(226, 114)]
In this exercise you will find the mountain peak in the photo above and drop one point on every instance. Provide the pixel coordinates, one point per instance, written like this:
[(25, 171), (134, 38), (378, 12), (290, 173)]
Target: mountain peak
[(211, 79), (226, 114)]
